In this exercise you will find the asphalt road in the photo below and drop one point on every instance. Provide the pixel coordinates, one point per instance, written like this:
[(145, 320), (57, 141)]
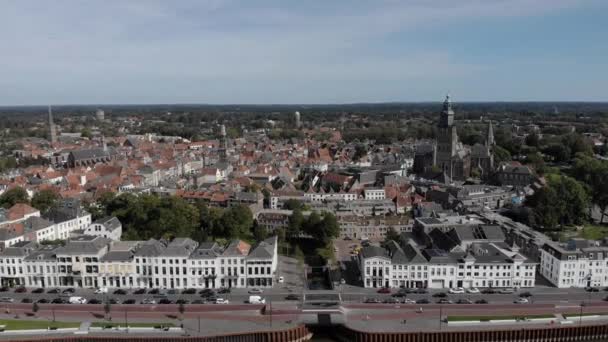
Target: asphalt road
[(349, 294)]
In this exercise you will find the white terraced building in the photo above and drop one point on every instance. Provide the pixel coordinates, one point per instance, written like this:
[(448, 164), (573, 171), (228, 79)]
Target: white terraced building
[(484, 265), (94, 261)]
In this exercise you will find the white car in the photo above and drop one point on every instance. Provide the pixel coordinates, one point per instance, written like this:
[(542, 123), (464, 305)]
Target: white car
[(457, 290), (409, 301), (521, 301), (281, 279), (221, 301), (101, 290), (473, 290)]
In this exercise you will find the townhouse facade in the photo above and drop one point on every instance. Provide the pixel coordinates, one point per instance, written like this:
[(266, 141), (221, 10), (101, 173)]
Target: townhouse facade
[(407, 265), (95, 261)]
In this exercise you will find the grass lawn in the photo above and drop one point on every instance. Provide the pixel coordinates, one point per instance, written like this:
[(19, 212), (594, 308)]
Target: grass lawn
[(132, 325), (573, 316), (17, 324), (489, 318), (593, 232)]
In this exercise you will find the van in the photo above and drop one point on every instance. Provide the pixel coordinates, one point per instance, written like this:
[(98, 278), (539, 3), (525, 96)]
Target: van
[(77, 300), (256, 300)]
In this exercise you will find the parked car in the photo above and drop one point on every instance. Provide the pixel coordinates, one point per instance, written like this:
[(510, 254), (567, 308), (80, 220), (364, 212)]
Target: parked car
[(481, 301), (440, 295), (473, 290), (255, 291), (182, 301), (206, 292), (399, 295), (148, 301), (20, 290), (464, 301), (199, 301), (421, 291), (153, 291), (77, 300), (113, 301), (120, 292), (101, 290), (444, 301), (423, 301), (172, 291), (592, 289), (256, 300), (38, 290), (42, 301), (488, 291), (129, 301), (456, 290), (384, 290), (94, 301), (224, 290), (391, 300), (292, 297), (69, 290), (139, 292), (281, 279), (164, 301), (408, 301), (59, 301), (4, 288), (521, 301), (507, 290), (371, 300), (222, 301), (26, 300), (53, 291), (189, 291)]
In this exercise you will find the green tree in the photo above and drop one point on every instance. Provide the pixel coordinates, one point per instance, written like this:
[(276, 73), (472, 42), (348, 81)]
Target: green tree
[(391, 235), (259, 232), (559, 152), (562, 201), (43, 200), (13, 196), (532, 140), (296, 222), (501, 155), (293, 204)]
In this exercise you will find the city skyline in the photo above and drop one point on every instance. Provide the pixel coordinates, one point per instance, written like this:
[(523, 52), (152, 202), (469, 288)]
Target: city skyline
[(225, 52)]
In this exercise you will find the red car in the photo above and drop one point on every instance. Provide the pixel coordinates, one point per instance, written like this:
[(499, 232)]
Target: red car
[(384, 290)]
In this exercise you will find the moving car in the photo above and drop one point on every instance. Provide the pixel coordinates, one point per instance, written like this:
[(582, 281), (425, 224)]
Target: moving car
[(6, 300), (384, 290), (101, 290), (255, 291), (473, 290), (521, 301), (506, 291), (281, 279), (222, 301), (255, 300), (292, 297), (69, 290), (148, 301), (77, 300), (456, 290)]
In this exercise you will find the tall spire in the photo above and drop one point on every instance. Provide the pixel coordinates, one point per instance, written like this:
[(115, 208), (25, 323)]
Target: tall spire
[(52, 129), (447, 114), (490, 138)]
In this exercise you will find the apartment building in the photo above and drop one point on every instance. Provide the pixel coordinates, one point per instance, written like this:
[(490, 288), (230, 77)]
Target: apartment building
[(372, 227), (576, 263)]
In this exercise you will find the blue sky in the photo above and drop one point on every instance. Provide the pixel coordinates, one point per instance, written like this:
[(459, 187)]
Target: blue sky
[(294, 51)]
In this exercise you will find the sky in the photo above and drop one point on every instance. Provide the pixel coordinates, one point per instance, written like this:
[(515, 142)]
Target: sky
[(295, 51)]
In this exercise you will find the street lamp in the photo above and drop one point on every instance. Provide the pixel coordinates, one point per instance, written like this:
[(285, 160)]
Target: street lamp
[(440, 314), (580, 317)]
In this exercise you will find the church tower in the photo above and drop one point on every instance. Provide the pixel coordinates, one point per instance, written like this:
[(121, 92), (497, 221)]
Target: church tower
[(447, 139)]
